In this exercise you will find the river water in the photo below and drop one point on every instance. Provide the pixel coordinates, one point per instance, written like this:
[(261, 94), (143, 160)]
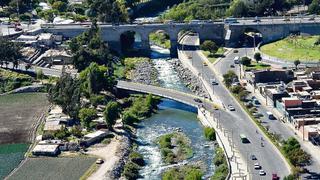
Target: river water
[(170, 116)]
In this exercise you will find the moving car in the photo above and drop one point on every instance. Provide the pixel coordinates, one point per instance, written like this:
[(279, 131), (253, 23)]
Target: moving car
[(214, 82), (99, 161), (205, 64), (231, 65), (257, 166), (275, 176), (262, 172), (257, 19), (231, 108), (197, 100), (253, 157)]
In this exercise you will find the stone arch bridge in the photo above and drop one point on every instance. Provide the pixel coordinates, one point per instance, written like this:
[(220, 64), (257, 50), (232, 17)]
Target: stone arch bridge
[(220, 32)]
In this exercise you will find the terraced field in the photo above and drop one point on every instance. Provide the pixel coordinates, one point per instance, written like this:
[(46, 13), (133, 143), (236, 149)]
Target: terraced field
[(53, 168), (19, 113)]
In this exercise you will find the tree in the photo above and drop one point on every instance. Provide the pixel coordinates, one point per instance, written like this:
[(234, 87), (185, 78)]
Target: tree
[(60, 6), (290, 177), (229, 77), (66, 93), (39, 74), (245, 61), (9, 51), (257, 57), (111, 113), (108, 11), (210, 46), (237, 9), (296, 63), (95, 79), (129, 118), (86, 115), (314, 7)]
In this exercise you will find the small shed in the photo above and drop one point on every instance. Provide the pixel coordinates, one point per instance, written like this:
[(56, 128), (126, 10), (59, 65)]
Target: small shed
[(46, 150), (94, 137)]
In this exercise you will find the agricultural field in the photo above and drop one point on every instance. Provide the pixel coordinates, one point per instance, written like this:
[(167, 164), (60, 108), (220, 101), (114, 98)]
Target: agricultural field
[(10, 157), (294, 48), (19, 113), (53, 168)]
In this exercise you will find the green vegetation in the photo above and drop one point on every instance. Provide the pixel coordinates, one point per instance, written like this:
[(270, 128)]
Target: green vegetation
[(210, 46), (10, 80), (160, 38), (86, 115), (134, 164), (197, 9), (111, 113), (209, 133), (140, 108), (293, 48), (213, 57), (108, 11), (10, 157), (229, 77), (9, 52), (220, 162), (294, 153), (256, 66), (184, 172), (314, 7), (174, 147), (54, 168)]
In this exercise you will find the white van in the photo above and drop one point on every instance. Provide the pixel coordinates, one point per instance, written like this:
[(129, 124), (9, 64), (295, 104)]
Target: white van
[(236, 60)]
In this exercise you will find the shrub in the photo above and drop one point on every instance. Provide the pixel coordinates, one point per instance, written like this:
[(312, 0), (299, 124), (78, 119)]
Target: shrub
[(137, 158), (86, 115), (131, 171), (245, 61), (210, 133)]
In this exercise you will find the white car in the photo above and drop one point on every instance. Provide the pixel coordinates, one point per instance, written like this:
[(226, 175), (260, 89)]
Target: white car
[(257, 166), (231, 108), (262, 172)]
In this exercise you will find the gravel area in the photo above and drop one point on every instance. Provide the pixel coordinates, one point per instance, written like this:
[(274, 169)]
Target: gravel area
[(145, 73)]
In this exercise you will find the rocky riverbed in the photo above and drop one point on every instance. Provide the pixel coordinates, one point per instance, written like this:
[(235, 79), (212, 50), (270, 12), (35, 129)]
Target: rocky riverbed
[(145, 73), (189, 79)]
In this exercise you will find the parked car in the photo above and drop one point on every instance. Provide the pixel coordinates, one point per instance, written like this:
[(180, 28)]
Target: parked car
[(235, 51), (231, 108), (257, 166), (262, 172), (253, 157), (231, 66)]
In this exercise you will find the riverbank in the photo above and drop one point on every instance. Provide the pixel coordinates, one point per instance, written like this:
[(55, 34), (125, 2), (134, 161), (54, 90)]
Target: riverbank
[(189, 79)]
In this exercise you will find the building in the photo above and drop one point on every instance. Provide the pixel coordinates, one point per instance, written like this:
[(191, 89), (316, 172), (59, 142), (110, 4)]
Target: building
[(55, 57), (46, 150), (94, 137), (45, 39), (270, 76)]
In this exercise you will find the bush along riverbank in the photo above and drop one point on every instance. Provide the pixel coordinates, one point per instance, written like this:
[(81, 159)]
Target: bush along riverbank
[(136, 108), (183, 172), (174, 147), (209, 133), (220, 162)]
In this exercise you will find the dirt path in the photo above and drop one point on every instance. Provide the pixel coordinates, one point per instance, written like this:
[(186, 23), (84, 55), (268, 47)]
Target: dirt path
[(109, 154)]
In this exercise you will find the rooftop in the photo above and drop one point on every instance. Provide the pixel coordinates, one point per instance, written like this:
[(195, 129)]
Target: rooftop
[(50, 148), (94, 134)]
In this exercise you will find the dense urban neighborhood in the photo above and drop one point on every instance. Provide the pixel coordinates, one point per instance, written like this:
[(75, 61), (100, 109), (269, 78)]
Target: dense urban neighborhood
[(195, 89)]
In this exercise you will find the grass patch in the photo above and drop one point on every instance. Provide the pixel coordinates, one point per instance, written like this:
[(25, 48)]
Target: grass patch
[(174, 147), (293, 48), (10, 157), (213, 57), (256, 66)]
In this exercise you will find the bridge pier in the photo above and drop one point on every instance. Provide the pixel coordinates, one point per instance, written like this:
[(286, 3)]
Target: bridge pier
[(173, 48)]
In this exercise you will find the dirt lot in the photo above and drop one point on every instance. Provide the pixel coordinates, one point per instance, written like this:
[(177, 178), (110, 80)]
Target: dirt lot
[(53, 168), (18, 114)]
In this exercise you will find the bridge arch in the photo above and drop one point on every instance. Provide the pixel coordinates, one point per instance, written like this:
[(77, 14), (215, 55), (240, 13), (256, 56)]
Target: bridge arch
[(160, 41), (251, 37), (132, 43)]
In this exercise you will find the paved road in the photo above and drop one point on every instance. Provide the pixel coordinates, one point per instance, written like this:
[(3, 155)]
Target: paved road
[(275, 126), (239, 122)]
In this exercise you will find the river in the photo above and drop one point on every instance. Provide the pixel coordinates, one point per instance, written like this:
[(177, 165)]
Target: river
[(170, 116)]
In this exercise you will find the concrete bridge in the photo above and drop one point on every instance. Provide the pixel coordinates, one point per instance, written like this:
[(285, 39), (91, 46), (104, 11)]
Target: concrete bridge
[(271, 29), (182, 97)]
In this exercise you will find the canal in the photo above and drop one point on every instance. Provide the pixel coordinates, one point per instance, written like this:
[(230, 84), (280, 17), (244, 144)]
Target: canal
[(171, 116)]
